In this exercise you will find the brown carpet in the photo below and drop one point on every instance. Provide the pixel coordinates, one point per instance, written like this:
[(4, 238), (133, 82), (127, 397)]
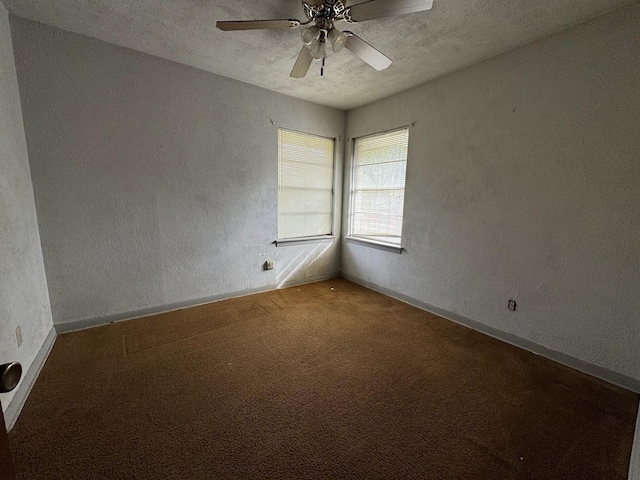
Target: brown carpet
[(324, 381)]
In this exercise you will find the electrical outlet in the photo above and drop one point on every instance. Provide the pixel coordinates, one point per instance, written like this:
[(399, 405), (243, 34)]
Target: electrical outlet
[(19, 336), (512, 305), (269, 264)]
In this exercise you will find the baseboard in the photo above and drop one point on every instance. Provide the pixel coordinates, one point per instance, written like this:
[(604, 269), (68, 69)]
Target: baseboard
[(634, 465), (594, 370), (28, 381), (171, 307)]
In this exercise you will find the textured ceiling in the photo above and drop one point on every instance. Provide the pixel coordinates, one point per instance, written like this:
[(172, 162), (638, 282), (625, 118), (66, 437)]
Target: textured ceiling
[(423, 46)]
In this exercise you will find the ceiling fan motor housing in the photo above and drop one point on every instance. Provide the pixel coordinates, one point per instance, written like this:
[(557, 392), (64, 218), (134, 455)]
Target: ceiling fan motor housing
[(326, 13)]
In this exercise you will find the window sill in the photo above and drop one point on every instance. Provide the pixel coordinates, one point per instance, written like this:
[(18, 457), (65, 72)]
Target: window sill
[(287, 242), (365, 242)]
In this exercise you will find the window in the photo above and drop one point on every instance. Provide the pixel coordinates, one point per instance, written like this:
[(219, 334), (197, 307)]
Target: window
[(378, 178), (305, 185)]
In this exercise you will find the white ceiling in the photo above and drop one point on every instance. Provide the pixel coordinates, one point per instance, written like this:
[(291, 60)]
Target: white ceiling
[(423, 46)]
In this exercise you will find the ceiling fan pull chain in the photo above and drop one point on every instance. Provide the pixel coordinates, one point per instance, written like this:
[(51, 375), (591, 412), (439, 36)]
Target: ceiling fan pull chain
[(322, 68)]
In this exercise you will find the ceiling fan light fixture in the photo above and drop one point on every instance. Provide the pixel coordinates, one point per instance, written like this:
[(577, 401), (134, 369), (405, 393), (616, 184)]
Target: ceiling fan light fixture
[(310, 35), (338, 40), (319, 52)]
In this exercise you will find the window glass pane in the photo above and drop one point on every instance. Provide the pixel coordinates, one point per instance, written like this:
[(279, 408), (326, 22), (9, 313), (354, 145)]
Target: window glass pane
[(305, 185), (377, 198), (384, 175)]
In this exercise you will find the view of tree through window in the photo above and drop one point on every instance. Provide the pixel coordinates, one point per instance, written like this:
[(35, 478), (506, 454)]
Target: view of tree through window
[(378, 182)]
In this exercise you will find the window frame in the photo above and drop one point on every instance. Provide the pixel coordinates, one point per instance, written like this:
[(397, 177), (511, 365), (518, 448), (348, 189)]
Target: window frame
[(363, 240), (290, 241)]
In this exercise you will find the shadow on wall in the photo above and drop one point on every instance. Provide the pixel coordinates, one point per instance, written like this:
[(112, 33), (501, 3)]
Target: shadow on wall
[(307, 263)]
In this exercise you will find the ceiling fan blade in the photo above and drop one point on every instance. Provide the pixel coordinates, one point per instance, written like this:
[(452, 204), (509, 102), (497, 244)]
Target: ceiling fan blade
[(257, 24), (387, 8), (366, 52), (303, 63)]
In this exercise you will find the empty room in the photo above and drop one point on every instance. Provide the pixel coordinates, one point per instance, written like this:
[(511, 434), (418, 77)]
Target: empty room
[(332, 239)]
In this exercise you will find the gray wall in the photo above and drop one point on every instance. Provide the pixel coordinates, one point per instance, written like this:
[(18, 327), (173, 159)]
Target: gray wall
[(523, 182), (24, 300), (155, 183)]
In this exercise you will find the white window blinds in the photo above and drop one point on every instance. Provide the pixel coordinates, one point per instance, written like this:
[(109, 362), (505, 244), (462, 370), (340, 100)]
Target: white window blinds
[(377, 197), (305, 185)]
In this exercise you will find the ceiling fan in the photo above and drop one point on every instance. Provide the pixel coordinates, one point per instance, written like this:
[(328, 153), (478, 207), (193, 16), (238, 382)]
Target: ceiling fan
[(321, 15)]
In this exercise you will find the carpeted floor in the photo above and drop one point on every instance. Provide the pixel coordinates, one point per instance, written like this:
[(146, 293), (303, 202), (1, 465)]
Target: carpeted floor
[(323, 381)]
